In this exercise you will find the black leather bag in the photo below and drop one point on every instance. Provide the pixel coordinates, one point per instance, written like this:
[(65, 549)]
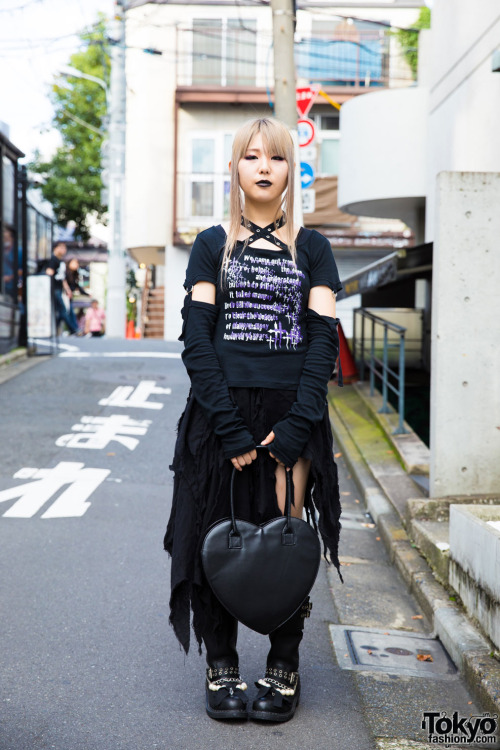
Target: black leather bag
[(261, 574)]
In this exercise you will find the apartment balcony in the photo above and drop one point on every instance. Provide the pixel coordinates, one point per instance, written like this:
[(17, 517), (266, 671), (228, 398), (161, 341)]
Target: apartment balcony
[(225, 60)]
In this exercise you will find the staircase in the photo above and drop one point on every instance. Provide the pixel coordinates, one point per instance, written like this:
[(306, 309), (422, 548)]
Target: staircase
[(153, 313)]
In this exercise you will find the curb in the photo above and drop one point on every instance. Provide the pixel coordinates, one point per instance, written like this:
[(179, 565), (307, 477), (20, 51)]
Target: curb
[(470, 650), (16, 355)]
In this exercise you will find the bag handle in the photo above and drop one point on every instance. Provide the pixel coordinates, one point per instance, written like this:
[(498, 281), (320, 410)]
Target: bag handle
[(287, 535)]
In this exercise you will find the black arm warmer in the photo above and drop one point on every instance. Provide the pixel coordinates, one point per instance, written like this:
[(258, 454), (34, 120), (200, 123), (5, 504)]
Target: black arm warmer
[(293, 431), (207, 379)]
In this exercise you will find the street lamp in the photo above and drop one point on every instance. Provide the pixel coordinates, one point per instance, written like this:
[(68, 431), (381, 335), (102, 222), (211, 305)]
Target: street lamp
[(70, 72)]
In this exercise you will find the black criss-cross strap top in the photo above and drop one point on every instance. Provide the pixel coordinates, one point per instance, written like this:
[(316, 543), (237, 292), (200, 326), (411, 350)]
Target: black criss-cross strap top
[(265, 232)]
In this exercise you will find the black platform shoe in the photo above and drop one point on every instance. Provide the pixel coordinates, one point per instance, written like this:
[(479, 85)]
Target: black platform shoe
[(279, 690), (225, 692), (278, 696)]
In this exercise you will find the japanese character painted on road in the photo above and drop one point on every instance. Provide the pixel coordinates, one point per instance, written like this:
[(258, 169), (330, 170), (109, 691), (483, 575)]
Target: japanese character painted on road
[(96, 433), (72, 503), (127, 395)]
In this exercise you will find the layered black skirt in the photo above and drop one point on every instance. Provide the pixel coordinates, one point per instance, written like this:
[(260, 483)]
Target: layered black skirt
[(201, 497)]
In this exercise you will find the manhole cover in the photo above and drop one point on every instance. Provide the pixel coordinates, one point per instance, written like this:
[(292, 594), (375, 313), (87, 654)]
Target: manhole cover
[(390, 651)]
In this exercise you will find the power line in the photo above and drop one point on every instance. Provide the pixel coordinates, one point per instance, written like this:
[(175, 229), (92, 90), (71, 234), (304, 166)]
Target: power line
[(20, 7)]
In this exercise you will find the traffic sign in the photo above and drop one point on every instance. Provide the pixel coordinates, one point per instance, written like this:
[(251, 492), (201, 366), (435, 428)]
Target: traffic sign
[(306, 132), (307, 175), (305, 99), (309, 153), (308, 201)]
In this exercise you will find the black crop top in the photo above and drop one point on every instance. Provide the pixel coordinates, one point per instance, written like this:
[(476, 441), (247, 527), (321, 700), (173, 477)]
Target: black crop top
[(261, 336)]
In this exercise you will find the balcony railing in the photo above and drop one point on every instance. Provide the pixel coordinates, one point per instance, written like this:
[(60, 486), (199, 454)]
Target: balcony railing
[(226, 53)]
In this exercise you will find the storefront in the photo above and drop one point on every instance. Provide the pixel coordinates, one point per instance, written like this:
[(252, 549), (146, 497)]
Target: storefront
[(26, 230), (11, 255)]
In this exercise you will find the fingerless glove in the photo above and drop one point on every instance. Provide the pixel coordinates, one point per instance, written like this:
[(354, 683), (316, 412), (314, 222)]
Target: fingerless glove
[(293, 431), (207, 379)]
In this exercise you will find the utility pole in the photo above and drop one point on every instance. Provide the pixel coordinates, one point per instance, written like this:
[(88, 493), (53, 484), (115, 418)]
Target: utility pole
[(285, 107), (115, 303)]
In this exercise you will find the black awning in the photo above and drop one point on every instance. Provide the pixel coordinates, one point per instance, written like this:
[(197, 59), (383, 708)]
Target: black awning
[(413, 262)]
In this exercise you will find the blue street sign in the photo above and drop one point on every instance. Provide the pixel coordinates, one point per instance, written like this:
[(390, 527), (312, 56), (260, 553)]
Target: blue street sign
[(307, 175)]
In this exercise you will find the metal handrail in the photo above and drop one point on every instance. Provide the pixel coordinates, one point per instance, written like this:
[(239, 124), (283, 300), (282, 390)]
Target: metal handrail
[(385, 371)]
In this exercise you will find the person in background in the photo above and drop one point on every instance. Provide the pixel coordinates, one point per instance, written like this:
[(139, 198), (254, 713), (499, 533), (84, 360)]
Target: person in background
[(8, 261), (80, 319), (94, 319), (73, 281), (57, 269)]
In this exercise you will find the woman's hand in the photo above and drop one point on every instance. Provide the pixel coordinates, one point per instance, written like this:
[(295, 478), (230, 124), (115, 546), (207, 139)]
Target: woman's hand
[(245, 460), (266, 441)]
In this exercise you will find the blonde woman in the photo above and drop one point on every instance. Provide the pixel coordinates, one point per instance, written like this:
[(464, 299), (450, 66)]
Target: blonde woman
[(260, 342)]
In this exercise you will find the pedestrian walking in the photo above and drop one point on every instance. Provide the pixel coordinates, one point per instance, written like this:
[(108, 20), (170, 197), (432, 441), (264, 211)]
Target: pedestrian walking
[(57, 269), (260, 344), (73, 281)]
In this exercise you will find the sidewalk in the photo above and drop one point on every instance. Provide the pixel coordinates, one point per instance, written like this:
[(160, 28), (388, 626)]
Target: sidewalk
[(407, 521), (15, 362)]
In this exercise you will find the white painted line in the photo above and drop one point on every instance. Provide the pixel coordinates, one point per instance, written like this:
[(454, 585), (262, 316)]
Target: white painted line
[(121, 355), (64, 347)]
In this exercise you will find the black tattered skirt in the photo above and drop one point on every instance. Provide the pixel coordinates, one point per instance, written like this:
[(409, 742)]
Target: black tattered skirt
[(201, 497)]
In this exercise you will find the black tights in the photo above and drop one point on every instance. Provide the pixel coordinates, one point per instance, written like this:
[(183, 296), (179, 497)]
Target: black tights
[(284, 651)]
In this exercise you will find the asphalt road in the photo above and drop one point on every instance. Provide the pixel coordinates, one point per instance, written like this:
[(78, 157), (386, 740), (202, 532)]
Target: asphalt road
[(89, 659)]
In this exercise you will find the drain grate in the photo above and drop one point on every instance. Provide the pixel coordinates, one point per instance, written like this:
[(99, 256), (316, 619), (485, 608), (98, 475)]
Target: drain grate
[(390, 651)]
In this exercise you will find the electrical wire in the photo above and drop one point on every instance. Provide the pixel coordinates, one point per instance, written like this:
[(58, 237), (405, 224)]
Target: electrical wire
[(20, 7)]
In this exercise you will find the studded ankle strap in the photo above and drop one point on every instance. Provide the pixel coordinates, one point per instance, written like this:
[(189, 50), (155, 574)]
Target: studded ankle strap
[(305, 610), (215, 673)]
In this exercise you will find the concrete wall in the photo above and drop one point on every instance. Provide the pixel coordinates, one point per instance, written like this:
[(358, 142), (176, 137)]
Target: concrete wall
[(465, 348), (464, 104), (475, 563)]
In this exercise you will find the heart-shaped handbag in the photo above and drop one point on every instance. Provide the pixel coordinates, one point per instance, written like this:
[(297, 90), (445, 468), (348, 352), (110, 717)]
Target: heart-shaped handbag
[(261, 574)]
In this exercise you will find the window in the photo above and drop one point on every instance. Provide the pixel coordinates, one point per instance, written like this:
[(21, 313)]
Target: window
[(241, 53), (202, 199), (203, 155), (8, 190), (329, 122), (208, 181), (207, 60), (329, 157), (342, 52), (327, 143), (224, 52)]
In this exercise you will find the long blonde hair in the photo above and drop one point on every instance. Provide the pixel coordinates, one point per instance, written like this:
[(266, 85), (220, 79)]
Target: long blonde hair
[(277, 141)]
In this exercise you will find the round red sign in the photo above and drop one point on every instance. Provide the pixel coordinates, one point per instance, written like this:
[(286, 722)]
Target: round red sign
[(306, 132)]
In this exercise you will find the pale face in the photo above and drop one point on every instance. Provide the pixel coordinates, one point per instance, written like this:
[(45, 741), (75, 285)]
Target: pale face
[(263, 176)]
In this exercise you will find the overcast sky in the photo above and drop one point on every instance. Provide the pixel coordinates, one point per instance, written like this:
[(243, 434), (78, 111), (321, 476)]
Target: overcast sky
[(36, 38)]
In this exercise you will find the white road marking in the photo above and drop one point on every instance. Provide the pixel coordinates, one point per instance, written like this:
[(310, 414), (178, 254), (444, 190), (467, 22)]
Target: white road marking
[(72, 503), (96, 433), (120, 355), (64, 347), (127, 395)]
